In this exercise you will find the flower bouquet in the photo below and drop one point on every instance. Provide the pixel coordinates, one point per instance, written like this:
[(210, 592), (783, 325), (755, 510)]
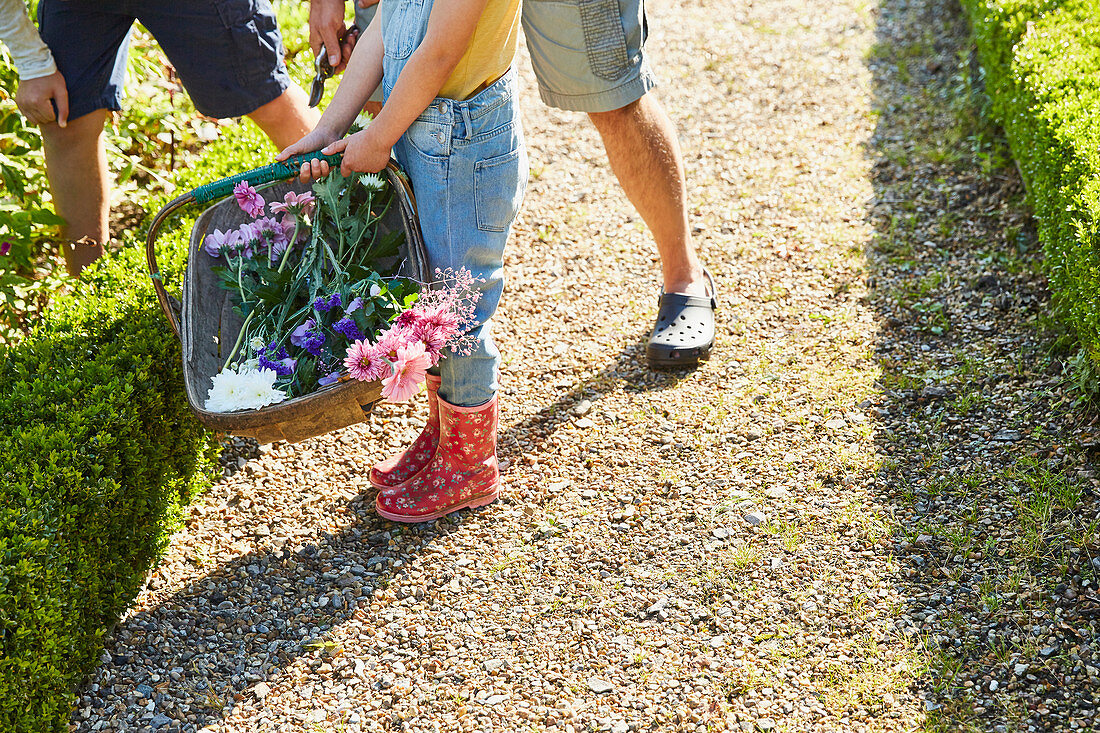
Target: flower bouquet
[(304, 305)]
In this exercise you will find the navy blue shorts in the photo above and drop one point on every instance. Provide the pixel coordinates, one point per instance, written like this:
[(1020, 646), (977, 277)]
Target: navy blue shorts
[(228, 53)]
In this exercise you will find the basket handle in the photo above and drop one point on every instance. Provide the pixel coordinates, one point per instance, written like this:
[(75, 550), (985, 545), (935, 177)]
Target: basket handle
[(280, 171)]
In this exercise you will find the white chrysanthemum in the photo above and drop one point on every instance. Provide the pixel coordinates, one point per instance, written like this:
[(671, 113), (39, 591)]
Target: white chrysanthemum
[(372, 181), (361, 121), (257, 343), (248, 389)]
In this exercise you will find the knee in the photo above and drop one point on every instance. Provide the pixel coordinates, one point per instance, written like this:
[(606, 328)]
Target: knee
[(615, 119)]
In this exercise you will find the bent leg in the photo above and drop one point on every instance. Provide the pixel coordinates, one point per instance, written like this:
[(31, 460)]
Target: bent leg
[(645, 156), (286, 118), (76, 165)]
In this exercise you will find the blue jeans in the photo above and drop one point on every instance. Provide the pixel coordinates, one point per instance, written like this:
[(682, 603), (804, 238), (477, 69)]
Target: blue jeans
[(468, 168)]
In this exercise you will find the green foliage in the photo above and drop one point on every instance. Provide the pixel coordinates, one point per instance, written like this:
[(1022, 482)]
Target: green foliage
[(98, 449), (1041, 59), (26, 277)]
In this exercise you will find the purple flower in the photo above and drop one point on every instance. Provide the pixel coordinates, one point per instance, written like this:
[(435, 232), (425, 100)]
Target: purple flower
[(5, 248), (324, 305), (270, 233), (217, 242), (248, 199), (278, 361), (354, 305), (308, 337), (347, 328), (298, 336), (330, 378)]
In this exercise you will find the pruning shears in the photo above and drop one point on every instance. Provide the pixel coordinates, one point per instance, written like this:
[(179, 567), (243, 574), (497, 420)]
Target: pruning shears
[(323, 71)]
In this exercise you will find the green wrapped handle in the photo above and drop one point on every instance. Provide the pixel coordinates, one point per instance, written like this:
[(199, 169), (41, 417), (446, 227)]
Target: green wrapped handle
[(280, 171)]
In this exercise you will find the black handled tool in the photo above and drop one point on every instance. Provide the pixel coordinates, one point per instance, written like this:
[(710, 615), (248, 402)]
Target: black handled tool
[(323, 70)]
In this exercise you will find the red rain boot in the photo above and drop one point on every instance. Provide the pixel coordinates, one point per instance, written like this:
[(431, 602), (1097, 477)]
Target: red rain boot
[(391, 475), (463, 473)]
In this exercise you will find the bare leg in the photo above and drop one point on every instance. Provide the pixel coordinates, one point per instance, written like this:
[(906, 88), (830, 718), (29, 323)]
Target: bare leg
[(286, 118), (645, 156), (76, 163)]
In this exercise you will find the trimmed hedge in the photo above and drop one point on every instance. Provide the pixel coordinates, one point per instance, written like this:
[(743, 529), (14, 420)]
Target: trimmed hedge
[(1041, 59), (98, 449)]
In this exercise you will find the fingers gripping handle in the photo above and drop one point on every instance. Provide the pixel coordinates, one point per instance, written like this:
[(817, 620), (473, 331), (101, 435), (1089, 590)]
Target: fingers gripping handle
[(280, 171)]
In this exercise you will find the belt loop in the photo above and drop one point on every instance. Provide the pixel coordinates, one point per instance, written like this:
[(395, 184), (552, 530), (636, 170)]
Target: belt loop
[(467, 121)]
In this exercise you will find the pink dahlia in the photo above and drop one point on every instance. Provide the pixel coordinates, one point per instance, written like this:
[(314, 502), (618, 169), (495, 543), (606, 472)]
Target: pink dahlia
[(410, 369), (393, 340), (365, 362), (248, 199), (406, 319)]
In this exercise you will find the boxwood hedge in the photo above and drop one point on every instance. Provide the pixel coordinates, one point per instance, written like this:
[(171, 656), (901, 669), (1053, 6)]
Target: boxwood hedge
[(97, 451), (1041, 59)]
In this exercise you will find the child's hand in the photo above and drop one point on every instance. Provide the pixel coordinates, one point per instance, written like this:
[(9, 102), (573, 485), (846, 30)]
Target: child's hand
[(314, 140), (364, 152)]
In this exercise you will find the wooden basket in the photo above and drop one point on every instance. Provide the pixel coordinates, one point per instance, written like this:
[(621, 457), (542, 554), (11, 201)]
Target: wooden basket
[(207, 326)]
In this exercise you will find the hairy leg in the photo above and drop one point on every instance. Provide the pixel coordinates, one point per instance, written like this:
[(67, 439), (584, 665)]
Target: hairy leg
[(286, 118), (645, 156), (76, 164)]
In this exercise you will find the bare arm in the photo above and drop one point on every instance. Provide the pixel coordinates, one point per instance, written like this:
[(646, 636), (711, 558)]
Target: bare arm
[(41, 86), (450, 28), (363, 75)]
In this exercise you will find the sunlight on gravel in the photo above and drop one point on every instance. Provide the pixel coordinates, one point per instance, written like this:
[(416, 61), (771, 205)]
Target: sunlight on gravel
[(722, 549)]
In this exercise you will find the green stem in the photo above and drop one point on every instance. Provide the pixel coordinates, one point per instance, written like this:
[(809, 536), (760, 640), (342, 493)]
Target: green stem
[(289, 247), (240, 337)]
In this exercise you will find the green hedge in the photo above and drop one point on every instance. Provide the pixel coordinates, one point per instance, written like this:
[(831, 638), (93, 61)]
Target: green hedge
[(1042, 64), (97, 451)]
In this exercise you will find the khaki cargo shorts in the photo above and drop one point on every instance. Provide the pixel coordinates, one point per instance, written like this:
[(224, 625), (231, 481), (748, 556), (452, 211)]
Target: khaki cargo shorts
[(587, 54)]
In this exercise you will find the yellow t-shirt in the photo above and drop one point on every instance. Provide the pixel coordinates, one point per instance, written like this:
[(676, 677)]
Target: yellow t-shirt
[(491, 51)]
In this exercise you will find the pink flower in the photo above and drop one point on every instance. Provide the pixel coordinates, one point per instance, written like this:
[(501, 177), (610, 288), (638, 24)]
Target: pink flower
[(410, 369), (248, 199), (437, 325), (392, 340), (365, 362), (295, 204), (217, 242), (406, 319)]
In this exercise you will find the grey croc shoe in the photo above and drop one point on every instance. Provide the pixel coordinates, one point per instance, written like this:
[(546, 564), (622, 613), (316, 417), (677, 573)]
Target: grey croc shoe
[(684, 332)]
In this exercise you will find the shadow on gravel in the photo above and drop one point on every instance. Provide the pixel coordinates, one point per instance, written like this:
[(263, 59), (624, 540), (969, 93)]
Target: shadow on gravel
[(986, 459), (248, 620)]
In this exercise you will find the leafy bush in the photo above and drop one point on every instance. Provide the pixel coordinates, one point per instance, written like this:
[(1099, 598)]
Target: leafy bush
[(1041, 59), (98, 448)]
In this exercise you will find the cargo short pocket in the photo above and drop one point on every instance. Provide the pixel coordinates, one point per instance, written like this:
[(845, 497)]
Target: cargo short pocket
[(605, 38), (499, 185)]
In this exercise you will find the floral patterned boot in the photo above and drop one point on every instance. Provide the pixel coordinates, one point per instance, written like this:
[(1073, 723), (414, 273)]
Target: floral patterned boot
[(391, 475), (463, 472)]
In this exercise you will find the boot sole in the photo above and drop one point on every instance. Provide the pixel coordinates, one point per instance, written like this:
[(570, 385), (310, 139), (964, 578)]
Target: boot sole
[(468, 504)]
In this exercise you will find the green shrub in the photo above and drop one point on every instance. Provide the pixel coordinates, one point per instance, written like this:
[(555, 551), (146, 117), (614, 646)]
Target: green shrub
[(97, 451), (1041, 59)]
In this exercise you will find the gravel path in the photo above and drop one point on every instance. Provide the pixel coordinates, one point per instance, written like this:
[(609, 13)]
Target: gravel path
[(872, 510)]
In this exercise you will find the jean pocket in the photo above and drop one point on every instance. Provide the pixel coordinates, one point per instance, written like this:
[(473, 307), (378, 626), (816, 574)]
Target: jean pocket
[(404, 29), (499, 185)]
